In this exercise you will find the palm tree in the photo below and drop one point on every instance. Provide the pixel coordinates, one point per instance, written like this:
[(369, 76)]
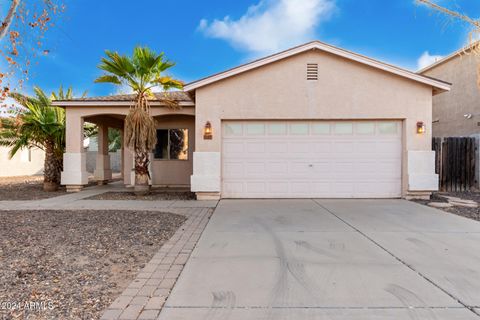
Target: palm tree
[(38, 125), (142, 72)]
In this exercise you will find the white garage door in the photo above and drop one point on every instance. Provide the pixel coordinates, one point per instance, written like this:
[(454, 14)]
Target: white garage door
[(309, 159)]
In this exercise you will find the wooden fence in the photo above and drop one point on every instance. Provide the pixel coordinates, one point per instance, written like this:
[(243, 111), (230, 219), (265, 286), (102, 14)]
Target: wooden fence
[(455, 161)]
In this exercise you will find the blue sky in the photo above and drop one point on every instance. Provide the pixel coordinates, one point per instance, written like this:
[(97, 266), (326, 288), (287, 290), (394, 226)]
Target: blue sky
[(201, 40)]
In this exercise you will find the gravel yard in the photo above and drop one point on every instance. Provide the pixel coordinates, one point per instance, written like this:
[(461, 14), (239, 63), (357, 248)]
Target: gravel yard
[(154, 195), (471, 213), (73, 264), (25, 188)]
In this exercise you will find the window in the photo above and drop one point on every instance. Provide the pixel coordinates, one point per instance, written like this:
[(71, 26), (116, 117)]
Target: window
[(255, 129), (344, 128), (299, 128), (172, 144), (277, 128), (387, 128), (321, 128), (366, 128), (233, 129)]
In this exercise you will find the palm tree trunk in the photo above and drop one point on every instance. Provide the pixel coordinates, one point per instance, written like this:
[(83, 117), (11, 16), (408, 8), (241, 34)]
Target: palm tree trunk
[(51, 172), (141, 174)]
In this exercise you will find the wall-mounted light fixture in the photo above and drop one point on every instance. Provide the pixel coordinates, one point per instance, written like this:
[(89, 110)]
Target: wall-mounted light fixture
[(421, 129), (207, 131)]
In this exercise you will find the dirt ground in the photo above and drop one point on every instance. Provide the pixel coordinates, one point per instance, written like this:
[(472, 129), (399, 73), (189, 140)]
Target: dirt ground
[(154, 195), (73, 264), (471, 213), (26, 188)]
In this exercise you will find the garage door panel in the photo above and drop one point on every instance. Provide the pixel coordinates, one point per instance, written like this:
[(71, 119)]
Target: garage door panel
[(300, 188), (278, 187), (343, 168), (233, 169), (277, 147), (388, 146), (233, 148), (255, 187), (343, 189), (323, 169), (299, 167), (299, 147), (307, 159), (343, 147), (277, 168), (365, 167), (233, 188), (321, 188), (389, 168), (322, 148), (255, 147), (372, 189), (255, 169), (366, 148)]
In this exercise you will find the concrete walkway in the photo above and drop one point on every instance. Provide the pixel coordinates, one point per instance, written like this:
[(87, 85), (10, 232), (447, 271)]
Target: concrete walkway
[(330, 259)]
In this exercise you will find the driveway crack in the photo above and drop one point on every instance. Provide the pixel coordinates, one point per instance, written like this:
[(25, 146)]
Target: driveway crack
[(471, 308)]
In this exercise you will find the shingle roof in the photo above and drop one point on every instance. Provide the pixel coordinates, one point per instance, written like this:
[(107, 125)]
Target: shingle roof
[(179, 96)]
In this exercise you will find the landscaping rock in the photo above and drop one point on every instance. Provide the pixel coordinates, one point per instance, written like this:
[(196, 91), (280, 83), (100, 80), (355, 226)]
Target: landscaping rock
[(440, 205), (154, 195), (74, 262), (464, 204), (449, 198)]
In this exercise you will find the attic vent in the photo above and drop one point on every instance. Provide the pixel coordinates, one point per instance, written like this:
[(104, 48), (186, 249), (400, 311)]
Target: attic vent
[(312, 71)]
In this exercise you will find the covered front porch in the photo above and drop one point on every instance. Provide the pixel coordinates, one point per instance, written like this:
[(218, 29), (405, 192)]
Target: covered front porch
[(171, 162)]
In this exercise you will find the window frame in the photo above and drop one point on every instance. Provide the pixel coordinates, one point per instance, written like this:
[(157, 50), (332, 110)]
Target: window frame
[(168, 145)]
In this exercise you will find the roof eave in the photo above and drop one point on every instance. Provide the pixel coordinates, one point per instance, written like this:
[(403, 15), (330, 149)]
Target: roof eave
[(103, 103), (455, 54)]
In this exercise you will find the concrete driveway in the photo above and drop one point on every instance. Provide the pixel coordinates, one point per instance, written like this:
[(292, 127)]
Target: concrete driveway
[(330, 259)]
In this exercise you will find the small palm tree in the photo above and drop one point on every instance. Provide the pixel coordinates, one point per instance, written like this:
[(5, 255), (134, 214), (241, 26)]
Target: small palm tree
[(38, 125), (142, 72)]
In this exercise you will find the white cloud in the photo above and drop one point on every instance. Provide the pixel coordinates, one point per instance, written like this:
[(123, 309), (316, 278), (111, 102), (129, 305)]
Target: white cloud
[(427, 59), (271, 25), (123, 89)]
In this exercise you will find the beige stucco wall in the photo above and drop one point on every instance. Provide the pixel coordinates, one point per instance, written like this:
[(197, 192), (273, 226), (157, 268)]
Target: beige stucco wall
[(24, 163), (464, 98), (344, 90), (175, 172)]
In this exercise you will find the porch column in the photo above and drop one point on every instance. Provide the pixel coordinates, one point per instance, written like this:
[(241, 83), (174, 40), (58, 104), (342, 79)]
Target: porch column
[(102, 172), (74, 174), (122, 155)]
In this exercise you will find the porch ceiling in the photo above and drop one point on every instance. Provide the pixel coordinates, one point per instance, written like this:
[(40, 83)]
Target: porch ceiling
[(113, 121)]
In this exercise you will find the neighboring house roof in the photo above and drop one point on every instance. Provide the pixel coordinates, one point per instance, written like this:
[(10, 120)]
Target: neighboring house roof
[(126, 99), (455, 54), (439, 85)]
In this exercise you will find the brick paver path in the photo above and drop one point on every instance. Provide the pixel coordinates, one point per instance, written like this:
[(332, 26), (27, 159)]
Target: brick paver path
[(145, 296)]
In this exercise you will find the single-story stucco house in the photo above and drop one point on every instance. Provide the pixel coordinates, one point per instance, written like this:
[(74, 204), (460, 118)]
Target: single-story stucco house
[(314, 121), (457, 114)]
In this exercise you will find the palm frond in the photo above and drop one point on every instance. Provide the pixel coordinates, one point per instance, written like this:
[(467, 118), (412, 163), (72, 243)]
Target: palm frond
[(21, 98), (168, 83), (108, 79)]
